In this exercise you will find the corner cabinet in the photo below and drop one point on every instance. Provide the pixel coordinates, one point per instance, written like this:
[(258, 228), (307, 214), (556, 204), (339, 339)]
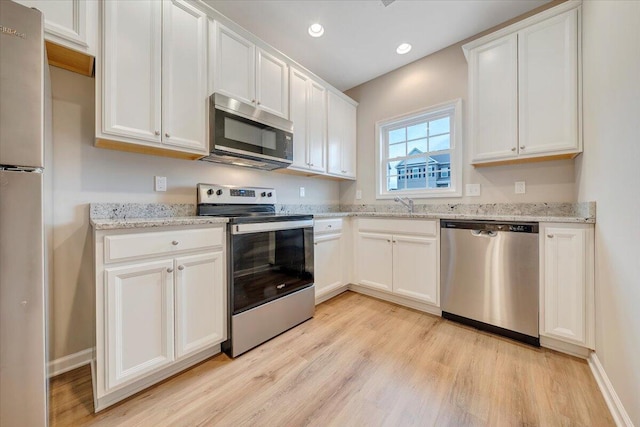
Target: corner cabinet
[(341, 130), (400, 257), (248, 73), (308, 104), (524, 89), (160, 305), (151, 78), (567, 283)]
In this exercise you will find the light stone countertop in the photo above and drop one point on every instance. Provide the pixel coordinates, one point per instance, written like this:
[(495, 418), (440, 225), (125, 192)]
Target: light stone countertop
[(120, 223), (488, 217)]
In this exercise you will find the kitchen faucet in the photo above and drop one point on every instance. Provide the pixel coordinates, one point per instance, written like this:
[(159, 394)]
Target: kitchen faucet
[(407, 202)]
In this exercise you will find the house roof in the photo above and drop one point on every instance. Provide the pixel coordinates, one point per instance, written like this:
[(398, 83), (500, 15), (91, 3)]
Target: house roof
[(417, 161)]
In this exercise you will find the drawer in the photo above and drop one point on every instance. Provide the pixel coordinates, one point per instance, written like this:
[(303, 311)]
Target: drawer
[(123, 246), (327, 225), (425, 227)]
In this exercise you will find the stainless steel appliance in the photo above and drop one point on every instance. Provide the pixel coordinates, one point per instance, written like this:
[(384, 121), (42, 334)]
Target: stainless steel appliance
[(243, 135), (489, 276), (24, 109), (270, 264)]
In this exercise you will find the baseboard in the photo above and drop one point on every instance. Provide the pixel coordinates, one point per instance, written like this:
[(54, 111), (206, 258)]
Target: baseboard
[(619, 414), (407, 302), (328, 295), (70, 362), (564, 347)]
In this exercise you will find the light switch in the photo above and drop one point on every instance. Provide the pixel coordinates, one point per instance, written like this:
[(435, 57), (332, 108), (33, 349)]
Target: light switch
[(161, 183), (302, 192), (358, 194), (472, 190)]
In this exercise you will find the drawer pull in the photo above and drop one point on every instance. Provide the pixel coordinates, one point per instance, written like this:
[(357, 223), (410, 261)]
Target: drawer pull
[(181, 267), (550, 236), (170, 270), (175, 243), (513, 149), (522, 147)]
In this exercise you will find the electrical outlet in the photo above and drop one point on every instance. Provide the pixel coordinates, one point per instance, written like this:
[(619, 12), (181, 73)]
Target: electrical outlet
[(472, 190), (358, 194), (302, 192), (161, 183), (520, 187)]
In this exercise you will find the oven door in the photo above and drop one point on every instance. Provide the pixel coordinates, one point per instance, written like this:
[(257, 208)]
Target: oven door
[(269, 260)]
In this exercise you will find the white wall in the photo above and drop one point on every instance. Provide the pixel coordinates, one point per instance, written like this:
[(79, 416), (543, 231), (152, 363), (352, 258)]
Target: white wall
[(609, 173), (438, 78), (83, 174)]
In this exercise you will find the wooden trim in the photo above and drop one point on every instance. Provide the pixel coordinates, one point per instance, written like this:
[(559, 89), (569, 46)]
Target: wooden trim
[(145, 149), (526, 160), (68, 59), (619, 414), (70, 362)]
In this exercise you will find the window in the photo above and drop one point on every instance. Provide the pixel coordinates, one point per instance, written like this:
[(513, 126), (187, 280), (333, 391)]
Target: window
[(419, 154)]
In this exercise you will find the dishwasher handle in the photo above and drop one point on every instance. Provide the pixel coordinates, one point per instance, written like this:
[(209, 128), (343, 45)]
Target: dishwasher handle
[(483, 233)]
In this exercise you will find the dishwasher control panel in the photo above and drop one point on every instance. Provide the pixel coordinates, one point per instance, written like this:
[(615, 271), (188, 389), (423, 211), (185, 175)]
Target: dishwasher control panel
[(513, 227)]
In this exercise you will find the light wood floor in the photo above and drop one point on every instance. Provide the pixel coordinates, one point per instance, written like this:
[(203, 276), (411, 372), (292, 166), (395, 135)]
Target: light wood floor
[(359, 362)]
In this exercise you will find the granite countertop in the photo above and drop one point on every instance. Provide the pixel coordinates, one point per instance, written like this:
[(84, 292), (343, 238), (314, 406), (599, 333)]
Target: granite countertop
[(111, 216)]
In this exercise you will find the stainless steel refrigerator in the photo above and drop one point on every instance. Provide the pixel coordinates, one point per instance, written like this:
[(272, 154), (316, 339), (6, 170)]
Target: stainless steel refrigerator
[(24, 111)]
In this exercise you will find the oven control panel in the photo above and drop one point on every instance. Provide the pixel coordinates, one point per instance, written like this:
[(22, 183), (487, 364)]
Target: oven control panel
[(214, 193)]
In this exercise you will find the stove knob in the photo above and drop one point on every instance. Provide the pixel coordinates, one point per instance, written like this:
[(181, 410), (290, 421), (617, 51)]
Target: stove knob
[(219, 192), (269, 194), (210, 192), (263, 194)]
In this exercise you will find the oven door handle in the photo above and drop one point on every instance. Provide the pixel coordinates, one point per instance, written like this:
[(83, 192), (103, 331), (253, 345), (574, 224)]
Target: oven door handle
[(262, 227)]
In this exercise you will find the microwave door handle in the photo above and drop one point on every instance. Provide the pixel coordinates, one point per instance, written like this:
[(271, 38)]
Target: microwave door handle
[(262, 227)]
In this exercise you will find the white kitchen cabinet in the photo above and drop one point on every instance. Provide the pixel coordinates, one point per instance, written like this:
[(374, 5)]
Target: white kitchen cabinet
[(69, 23), (199, 302), (138, 319), (308, 114), (524, 92), (341, 133), (248, 73), (160, 305), (567, 283), (400, 257), (152, 78), (329, 256)]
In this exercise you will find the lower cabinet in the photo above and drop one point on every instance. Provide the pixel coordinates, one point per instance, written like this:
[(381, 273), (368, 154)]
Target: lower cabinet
[(400, 257), (160, 307), (567, 283), (329, 253)]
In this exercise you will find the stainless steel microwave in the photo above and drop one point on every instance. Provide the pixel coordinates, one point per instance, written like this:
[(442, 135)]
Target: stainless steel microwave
[(243, 135)]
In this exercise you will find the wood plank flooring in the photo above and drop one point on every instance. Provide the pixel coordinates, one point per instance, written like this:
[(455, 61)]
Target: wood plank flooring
[(359, 362)]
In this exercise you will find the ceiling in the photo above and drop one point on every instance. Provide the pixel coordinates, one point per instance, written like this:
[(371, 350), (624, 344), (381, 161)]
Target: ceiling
[(361, 36)]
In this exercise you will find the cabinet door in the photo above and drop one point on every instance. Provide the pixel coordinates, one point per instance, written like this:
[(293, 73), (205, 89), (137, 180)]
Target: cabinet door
[(138, 320), (234, 74), (299, 114), (317, 125), (565, 298), (374, 262), (131, 86), (200, 302), (65, 21), (548, 85), (493, 96), (335, 133), (184, 76), (349, 142), (328, 263), (272, 84), (415, 268)]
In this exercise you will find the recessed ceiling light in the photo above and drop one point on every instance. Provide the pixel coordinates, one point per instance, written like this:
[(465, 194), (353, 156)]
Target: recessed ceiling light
[(403, 48), (316, 30)]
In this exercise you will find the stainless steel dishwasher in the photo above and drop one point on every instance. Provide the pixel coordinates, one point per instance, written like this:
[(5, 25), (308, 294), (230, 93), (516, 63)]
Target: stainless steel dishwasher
[(489, 276)]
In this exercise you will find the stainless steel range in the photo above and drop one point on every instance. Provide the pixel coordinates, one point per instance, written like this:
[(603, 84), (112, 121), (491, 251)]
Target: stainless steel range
[(270, 264)]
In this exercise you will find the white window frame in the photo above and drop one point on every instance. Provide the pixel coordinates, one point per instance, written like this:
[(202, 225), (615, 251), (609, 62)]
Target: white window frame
[(452, 108)]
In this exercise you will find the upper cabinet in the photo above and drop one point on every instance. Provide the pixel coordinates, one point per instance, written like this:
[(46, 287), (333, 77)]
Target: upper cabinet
[(341, 129), (247, 73), (308, 103), (70, 29), (152, 78), (524, 93)]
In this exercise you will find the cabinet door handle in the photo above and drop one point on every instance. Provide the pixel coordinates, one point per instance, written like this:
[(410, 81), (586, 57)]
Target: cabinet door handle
[(310, 164), (513, 149), (344, 171), (175, 243), (170, 270), (181, 267), (316, 243), (388, 241), (522, 147), (157, 132), (258, 102), (395, 241), (329, 226), (550, 236), (253, 100)]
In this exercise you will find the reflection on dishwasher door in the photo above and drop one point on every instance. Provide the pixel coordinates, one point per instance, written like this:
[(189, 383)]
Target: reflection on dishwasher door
[(489, 276)]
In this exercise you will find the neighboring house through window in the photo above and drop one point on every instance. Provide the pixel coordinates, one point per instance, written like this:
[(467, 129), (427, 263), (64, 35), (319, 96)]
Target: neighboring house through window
[(419, 154)]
